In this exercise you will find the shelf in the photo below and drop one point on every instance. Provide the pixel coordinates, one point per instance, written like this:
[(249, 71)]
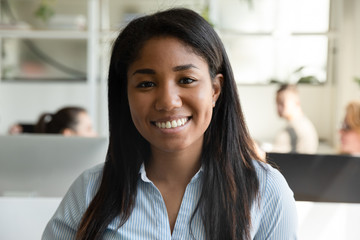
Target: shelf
[(44, 34), (43, 80)]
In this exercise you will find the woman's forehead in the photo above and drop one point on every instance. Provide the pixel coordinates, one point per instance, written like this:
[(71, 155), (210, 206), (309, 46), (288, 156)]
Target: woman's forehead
[(166, 49)]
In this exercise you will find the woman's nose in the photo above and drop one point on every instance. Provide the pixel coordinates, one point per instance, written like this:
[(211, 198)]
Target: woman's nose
[(168, 98)]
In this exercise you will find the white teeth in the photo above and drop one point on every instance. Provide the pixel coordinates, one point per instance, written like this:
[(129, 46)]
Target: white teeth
[(172, 124)]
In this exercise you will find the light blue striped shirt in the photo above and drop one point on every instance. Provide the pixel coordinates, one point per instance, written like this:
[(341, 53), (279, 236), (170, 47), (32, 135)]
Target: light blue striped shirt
[(273, 218)]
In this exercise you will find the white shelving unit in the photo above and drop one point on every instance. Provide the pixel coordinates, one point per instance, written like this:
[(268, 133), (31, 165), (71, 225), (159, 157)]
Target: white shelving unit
[(44, 34), (19, 24), (90, 36)]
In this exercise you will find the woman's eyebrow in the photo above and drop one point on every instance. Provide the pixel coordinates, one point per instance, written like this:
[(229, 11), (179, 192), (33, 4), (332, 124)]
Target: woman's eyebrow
[(144, 71), (184, 67), (175, 69)]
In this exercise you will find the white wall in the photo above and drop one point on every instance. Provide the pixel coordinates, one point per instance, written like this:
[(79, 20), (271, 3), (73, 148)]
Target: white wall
[(348, 64)]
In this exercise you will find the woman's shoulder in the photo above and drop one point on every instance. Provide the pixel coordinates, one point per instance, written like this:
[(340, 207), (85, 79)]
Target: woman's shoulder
[(275, 217), (95, 171), (270, 179), (85, 186), (90, 179), (68, 215)]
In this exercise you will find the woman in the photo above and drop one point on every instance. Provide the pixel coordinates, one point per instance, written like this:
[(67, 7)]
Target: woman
[(180, 162), (350, 130), (68, 121)]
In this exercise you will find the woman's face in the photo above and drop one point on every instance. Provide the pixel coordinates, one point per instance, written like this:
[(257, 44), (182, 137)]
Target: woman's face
[(84, 128), (350, 141), (286, 103), (171, 95)]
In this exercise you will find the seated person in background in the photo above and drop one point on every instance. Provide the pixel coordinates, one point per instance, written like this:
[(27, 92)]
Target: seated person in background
[(299, 135), (68, 121), (15, 129), (350, 130), (19, 128)]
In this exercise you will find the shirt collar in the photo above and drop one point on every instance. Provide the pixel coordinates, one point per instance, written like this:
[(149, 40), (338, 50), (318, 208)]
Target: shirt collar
[(144, 177), (142, 173)]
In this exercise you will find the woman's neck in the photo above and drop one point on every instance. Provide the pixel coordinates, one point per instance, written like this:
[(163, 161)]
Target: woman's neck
[(173, 167)]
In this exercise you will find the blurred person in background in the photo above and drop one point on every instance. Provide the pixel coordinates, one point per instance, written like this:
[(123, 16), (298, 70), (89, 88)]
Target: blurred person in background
[(16, 129), (68, 121), (350, 129), (300, 135)]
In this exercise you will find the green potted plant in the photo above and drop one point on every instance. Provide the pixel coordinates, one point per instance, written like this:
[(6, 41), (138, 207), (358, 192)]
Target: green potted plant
[(357, 80), (45, 10)]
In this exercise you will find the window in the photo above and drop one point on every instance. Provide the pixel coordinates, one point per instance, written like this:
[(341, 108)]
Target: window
[(276, 40)]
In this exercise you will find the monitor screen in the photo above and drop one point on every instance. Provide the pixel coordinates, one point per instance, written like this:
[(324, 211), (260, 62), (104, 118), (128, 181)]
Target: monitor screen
[(320, 177), (45, 164)]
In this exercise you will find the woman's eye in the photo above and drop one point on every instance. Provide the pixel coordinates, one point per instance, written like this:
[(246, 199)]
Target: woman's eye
[(186, 80), (145, 85)]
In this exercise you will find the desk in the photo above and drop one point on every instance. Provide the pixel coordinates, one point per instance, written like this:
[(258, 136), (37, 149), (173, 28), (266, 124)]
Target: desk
[(25, 218), (328, 221)]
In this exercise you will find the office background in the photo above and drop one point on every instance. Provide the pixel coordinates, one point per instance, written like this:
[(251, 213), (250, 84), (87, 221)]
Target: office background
[(86, 49), (79, 36)]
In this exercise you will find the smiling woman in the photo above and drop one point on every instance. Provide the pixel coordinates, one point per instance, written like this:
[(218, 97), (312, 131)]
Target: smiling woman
[(176, 88), (181, 163)]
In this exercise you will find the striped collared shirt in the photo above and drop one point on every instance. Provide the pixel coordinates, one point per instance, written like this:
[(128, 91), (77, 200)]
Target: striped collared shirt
[(274, 218)]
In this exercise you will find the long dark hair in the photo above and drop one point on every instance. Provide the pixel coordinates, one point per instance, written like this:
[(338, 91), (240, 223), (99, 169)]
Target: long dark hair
[(231, 182), (57, 122)]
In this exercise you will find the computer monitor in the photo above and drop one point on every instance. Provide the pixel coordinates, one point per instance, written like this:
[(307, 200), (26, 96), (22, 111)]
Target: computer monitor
[(320, 177), (45, 164)]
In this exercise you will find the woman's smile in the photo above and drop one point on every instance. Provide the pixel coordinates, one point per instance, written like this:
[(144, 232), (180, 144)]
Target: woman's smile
[(168, 124)]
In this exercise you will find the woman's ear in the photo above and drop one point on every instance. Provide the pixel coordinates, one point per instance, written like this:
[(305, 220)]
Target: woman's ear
[(68, 132), (217, 86)]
